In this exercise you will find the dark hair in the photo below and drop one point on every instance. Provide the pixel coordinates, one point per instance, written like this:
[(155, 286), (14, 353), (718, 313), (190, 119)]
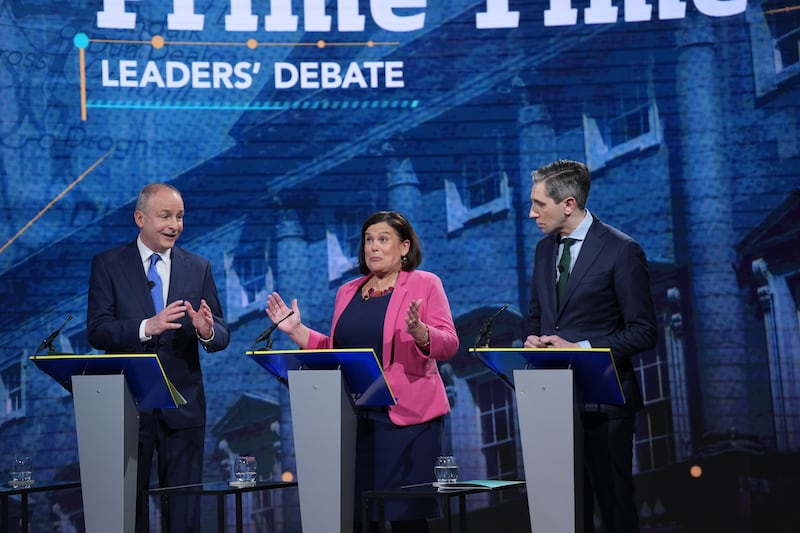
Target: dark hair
[(149, 190), (564, 178), (403, 229)]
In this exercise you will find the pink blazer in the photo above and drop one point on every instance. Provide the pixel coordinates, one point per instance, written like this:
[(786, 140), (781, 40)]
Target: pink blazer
[(412, 374)]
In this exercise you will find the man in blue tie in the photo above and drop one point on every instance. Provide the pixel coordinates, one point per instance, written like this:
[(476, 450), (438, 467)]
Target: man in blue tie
[(149, 296), (591, 289)]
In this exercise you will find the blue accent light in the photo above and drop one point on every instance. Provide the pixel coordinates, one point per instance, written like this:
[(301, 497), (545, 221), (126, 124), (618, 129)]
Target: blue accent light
[(255, 106), (81, 40)]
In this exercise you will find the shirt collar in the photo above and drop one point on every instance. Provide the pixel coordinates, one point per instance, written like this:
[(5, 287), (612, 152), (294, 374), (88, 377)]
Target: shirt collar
[(583, 228), (145, 252)]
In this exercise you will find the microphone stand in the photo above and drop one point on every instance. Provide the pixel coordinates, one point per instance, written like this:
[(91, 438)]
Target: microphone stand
[(485, 335), (267, 336), (48, 342), (268, 345)]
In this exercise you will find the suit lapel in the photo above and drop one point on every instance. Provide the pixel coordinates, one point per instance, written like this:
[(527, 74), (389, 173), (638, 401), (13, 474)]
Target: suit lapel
[(175, 281), (393, 311), (548, 292), (590, 249), (135, 275)]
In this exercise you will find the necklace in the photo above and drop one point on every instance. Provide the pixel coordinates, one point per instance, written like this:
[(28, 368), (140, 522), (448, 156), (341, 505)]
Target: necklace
[(372, 293)]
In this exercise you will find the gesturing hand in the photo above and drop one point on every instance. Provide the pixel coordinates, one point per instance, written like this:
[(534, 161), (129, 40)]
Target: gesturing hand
[(202, 319), (166, 319), (417, 329), (277, 310)]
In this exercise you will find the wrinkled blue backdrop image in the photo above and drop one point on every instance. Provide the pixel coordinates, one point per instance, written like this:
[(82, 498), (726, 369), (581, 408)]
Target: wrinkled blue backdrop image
[(285, 126)]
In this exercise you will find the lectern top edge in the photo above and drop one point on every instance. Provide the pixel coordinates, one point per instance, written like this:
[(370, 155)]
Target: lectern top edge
[(321, 350), (363, 371), (516, 350), (595, 371), (83, 356), (144, 373)]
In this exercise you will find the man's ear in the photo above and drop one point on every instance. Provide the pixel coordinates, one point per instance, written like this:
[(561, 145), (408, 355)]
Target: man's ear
[(570, 205), (138, 217)]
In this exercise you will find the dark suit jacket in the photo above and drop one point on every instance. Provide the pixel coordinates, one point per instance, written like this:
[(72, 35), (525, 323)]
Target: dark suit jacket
[(119, 299), (607, 301)]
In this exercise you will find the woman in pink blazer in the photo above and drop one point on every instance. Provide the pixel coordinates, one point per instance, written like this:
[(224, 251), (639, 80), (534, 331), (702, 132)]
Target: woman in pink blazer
[(403, 314)]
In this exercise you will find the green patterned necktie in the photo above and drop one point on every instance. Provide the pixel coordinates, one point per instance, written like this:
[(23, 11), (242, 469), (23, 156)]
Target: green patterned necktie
[(563, 268)]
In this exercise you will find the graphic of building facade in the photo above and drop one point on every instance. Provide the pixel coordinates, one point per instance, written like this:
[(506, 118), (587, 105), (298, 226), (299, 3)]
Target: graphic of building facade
[(690, 130)]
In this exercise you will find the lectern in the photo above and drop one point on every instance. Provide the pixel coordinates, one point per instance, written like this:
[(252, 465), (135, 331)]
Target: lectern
[(549, 385), (106, 391), (325, 387)]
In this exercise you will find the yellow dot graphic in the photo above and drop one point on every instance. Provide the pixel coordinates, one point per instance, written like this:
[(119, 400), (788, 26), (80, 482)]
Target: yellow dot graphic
[(370, 44), (696, 471), (320, 44), (157, 42), (287, 476), (252, 44)]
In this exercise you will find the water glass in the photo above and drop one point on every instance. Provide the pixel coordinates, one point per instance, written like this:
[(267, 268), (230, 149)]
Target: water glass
[(245, 469), (446, 470), (21, 472)]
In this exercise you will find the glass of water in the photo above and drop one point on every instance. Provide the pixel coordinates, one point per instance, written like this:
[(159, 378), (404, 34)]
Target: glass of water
[(21, 472), (446, 470), (245, 469)]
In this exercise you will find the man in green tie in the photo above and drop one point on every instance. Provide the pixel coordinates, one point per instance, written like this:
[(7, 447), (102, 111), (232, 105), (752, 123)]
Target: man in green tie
[(591, 289)]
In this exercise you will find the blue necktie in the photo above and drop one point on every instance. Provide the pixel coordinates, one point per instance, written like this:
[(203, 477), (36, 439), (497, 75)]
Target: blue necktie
[(155, 283)]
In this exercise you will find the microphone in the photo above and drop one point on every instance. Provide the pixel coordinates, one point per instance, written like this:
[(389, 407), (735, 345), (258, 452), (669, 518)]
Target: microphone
[(151, 283), (486, 329), (486, 333), (265, 336), (48, 342)]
